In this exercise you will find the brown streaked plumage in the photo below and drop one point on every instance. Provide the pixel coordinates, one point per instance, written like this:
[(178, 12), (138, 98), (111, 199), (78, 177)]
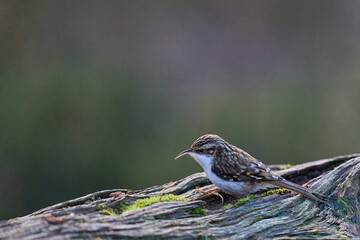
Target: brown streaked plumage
[(235, 171)]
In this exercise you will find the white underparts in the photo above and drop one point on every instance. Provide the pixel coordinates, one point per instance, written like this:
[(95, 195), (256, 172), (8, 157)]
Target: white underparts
[(239, 189)]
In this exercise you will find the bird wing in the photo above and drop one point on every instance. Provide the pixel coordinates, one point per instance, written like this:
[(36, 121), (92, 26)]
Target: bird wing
[(240, 166)]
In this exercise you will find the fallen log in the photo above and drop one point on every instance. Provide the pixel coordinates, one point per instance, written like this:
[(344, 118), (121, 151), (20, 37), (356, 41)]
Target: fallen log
[(178, 211)]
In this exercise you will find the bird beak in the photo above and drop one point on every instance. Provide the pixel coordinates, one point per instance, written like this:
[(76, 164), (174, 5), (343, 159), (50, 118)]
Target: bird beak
[(184, 153)]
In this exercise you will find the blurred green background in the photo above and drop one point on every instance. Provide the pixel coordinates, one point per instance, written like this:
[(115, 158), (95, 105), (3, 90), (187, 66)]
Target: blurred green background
[(99, 95)]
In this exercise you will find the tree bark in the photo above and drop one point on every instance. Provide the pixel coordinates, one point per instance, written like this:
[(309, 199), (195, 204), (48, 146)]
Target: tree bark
[(288, 216)]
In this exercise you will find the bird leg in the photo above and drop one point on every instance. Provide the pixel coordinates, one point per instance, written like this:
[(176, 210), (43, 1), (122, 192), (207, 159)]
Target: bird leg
[(117, 195), (212, 192)]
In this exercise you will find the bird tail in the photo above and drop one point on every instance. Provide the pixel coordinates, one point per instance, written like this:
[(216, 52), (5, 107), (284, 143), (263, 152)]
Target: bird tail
[(299, 189)]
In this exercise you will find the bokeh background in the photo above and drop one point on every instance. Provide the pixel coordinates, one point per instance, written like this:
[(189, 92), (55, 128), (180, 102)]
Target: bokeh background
[(99, 95)]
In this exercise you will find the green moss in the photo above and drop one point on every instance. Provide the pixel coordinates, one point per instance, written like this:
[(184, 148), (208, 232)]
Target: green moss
[(198, 211), (227, 205), (280, 191), (285, 166), (244, 200), (141, 203), (108, 211)]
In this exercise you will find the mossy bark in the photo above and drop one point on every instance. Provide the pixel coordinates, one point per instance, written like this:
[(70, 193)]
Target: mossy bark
[(287, 216)]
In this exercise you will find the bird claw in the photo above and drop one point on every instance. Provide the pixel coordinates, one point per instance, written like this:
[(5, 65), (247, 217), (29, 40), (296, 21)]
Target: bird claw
[(117, 195), (212, 192)]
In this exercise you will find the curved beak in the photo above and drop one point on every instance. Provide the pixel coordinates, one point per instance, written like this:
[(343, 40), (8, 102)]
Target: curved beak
[(184, 153)]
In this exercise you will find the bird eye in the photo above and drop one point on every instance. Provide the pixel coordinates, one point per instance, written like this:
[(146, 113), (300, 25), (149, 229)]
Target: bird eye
[(201, 150)]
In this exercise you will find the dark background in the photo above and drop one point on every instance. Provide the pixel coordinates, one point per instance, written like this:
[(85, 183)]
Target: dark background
[(98, 95)]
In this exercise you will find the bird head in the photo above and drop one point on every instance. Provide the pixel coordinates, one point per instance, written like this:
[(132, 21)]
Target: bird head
[(203, 149)]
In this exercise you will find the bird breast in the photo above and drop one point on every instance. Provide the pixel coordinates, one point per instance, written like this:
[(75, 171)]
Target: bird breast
[(239, 189)]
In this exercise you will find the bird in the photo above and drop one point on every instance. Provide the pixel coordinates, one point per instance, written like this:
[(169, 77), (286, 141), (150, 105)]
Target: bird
[(236, 172)]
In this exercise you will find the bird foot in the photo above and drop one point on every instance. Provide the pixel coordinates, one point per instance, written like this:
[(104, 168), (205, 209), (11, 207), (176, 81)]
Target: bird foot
[(212, 192), (117, 195)]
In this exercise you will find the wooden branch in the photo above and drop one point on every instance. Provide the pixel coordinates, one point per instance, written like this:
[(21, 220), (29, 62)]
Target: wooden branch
[(279, 217)]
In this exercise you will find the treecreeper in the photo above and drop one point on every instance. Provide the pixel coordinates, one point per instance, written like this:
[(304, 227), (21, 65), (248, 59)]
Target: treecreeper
[(235, 171)]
